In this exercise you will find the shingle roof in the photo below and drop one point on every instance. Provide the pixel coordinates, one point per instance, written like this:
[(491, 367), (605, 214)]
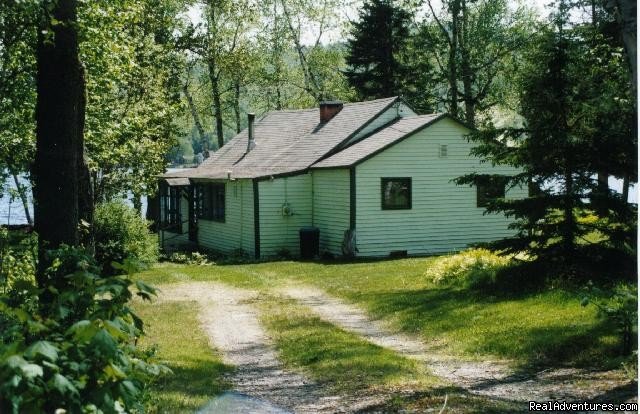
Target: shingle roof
[(378, 141), (286, 142)]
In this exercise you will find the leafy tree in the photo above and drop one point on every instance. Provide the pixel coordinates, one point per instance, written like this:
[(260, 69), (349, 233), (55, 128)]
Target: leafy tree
[(377, 67), (475, 45), (626, 16), (319, 64), (133, 90), (18, 22), (553, 151)]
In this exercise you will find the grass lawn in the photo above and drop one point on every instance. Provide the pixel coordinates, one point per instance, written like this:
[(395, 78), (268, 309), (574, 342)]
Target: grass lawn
[(183, 347), (547, 327)]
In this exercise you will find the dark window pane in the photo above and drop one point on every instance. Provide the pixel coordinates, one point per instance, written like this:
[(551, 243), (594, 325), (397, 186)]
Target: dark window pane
[(490, 188), (396, 193)]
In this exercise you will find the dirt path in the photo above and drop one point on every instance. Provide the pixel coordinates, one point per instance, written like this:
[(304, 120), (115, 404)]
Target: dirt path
[(488, 378), (231, 323)]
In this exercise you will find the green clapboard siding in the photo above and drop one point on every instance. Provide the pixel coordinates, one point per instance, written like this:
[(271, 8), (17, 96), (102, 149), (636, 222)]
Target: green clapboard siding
[(331, 207), (237, 230), (444, 216), (279, 232)]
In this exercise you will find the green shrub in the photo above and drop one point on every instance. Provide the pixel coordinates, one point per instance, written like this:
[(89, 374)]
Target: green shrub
[(120, 233), (189, 258), (16, 261), (71, 346), (470, 268), (619, 306)]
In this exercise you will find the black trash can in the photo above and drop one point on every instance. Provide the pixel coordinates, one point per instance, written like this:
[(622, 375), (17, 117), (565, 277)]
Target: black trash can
[(309, 242)]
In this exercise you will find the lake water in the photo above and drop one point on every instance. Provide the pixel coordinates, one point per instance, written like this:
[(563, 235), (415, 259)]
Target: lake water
[(12, 211)]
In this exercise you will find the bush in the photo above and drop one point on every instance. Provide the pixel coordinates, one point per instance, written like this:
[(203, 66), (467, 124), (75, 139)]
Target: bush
[(70, 347), (16, 261), (619, 307), (471, 268), (120, 233), (189, 258)]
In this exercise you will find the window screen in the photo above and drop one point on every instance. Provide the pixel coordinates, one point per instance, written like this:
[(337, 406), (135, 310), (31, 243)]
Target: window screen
[(170, 207), (210, 201)]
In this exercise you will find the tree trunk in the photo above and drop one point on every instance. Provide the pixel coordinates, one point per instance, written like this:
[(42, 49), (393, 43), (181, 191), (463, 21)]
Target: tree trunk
[(236, 105), (568, 233), (85, 189), (59, 135), (22, 193), (454, 8), (217, 104), (196, 118), (467, 73), (153, 211), (137, 203), (625, 11), (601, 194), (625, 188), (213, 70), (278, 98)]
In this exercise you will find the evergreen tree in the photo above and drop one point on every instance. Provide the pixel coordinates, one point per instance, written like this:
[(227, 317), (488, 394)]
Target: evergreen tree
[(375, 57), (554, 152)]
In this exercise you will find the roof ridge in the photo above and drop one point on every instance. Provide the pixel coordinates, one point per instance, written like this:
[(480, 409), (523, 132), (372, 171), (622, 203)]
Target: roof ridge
[(390, 98)]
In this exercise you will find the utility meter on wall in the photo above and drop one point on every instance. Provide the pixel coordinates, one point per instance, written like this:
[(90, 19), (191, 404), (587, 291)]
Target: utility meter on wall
[(286, 210)]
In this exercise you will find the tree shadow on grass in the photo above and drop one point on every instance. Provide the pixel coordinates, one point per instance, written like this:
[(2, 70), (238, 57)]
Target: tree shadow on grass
[(457, 400), (193, 382), (337, 358), (531, 329)]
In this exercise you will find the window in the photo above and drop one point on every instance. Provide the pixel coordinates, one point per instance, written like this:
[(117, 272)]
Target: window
[(490, 187), (210, 201), (442, 151), (171, 214), (396, 193)]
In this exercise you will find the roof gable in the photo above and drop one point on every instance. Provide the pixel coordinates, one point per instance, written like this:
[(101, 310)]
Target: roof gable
[(381, 140)]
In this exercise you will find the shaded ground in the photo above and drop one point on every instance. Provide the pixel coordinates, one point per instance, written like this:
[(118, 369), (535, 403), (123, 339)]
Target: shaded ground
[(488, 378)]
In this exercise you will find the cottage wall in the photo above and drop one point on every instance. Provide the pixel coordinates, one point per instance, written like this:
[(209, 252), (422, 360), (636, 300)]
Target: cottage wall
[(237, 230), (280, 231), (331, 207), (444, 217)]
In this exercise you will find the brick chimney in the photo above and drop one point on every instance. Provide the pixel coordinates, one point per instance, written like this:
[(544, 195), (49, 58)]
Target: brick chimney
[(329, 109)]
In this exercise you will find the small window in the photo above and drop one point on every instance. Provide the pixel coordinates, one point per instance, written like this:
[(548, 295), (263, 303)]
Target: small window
[(210, 202), (490, 187), (442, 151), (396, 193)]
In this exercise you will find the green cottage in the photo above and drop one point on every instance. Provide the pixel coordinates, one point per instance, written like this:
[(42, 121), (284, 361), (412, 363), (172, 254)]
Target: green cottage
[(374, 177)]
